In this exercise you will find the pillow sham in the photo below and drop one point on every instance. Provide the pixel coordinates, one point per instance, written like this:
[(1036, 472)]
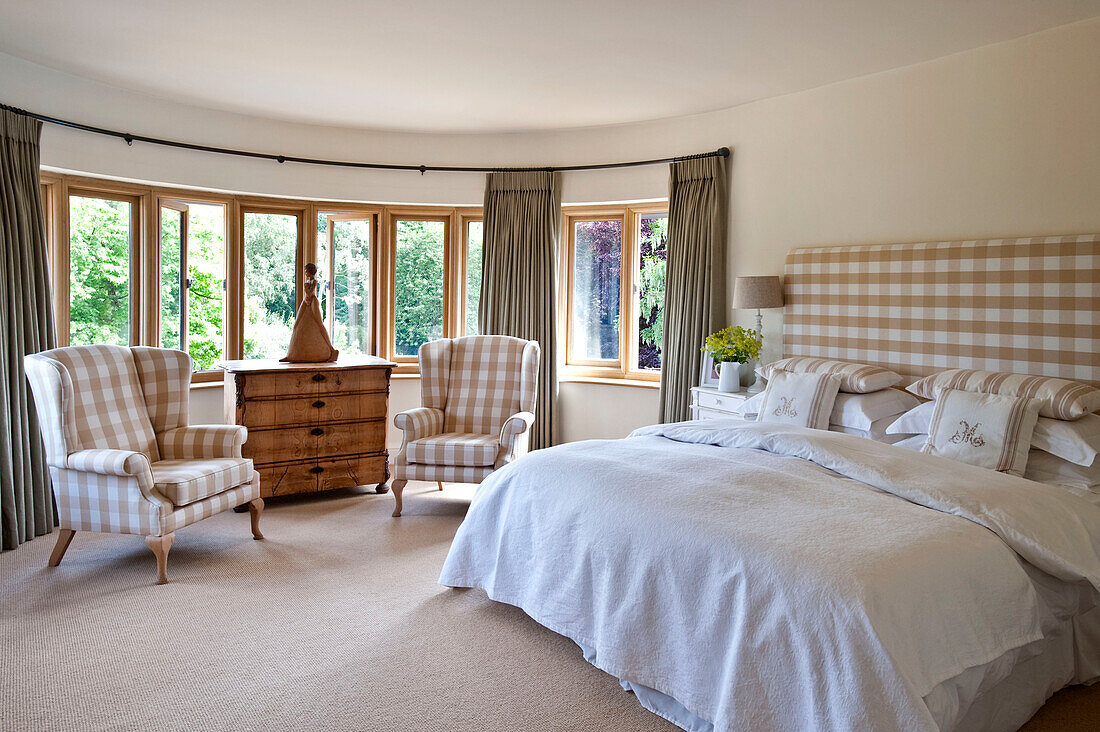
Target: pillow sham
[(1059, 398), (1077, 441), (988, 430), (804, 399), (855, 378), (860, 411), (1046, 468)]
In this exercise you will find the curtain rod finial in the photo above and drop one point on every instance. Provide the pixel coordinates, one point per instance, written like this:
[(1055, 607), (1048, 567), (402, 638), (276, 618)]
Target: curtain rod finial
[(724, 152)]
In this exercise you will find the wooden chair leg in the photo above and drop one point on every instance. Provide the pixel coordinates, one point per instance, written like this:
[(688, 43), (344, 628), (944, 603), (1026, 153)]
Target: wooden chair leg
[(255, 508), (440, 484), (63, 539), (397, 487), (160, 546)]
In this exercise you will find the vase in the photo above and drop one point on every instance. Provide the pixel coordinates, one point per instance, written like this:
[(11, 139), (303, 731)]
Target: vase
[(729, 376)]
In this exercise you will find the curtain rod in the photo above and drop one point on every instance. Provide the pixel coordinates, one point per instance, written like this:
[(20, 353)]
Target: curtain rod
[(130, 139)]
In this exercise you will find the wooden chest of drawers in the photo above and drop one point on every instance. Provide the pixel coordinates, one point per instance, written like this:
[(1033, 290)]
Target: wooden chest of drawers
[(312, 427)]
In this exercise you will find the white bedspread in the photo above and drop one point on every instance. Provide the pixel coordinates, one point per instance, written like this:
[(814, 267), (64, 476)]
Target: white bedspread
[(774, 577)]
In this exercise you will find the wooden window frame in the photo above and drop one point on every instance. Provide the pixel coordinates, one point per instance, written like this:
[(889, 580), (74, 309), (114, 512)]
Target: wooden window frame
[(346, 212), (625, 367)]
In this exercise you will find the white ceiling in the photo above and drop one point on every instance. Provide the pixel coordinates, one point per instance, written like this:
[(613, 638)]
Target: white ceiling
[(499, 65)]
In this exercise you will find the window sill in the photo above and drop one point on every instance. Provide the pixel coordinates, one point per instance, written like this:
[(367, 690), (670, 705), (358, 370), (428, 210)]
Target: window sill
[(207, 384), (611, 381)]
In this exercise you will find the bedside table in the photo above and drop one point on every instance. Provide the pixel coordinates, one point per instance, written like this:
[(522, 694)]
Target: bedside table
[(709, 403)]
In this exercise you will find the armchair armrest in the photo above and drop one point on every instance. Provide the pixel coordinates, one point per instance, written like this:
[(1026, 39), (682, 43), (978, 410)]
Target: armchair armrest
[(123, 463), (419, 422), (513, 434), (199, 441)]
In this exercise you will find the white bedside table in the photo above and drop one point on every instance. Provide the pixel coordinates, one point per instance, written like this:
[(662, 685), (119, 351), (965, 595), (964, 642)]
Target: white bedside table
[(709, 403)]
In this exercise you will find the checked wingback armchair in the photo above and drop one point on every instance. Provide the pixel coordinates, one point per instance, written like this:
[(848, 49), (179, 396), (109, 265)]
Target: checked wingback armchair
[(479, 404), (121, 455)]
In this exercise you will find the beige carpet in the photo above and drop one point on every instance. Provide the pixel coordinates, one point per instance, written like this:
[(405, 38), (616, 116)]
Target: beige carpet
[(334, 622)]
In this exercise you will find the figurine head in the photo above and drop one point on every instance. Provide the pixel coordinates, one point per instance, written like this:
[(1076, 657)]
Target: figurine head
[(311, 270)]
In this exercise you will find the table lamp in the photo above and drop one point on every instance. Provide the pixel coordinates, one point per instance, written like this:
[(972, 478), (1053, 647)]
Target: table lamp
[(758, 292)]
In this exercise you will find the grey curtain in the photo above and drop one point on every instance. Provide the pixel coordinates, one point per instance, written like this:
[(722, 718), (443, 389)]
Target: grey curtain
[(519, 275), (26, 326), (695, 278)]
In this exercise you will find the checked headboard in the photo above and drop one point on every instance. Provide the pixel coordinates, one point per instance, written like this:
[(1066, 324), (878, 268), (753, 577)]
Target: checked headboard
[(1029, 306)]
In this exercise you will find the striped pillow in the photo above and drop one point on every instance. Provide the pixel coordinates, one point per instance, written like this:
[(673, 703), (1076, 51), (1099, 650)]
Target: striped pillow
[(805, 400), (855, 378), (1060, 398), (988, 430)]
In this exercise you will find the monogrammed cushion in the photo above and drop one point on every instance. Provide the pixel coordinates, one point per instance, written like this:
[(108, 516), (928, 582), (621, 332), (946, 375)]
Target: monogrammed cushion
[(1060, 398), (988, 430), (855, 378), (802, 399)]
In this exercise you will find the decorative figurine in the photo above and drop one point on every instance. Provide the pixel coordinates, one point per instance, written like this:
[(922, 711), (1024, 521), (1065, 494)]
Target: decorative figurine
[(309, 341)]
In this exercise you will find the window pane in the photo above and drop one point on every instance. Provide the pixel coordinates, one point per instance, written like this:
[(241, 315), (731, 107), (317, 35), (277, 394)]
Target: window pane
[(270, 269), (597, 257), (418, 284), (171, 229), (351, 292), (324, 277), (473, 274), (652, 253), (206, 294), (99, 271)]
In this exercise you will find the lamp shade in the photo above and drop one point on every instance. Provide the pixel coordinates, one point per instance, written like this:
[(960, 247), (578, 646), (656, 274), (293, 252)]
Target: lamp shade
[(757, 292)]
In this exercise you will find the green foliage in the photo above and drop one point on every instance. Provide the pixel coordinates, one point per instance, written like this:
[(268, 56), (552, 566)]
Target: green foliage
[(733, 344), (418, 284), (99, 271), (651, 289), (597, 263), (206, 295), (473, 275), (270, 252)]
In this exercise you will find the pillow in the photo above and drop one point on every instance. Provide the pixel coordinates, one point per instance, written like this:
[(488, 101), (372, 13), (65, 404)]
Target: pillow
[(876, 433), (913, 442), (1059, 398), (1077, 441), (859, 411), (855, 378), (988, 430), (751, 406), (1046, 468), (800, 399)]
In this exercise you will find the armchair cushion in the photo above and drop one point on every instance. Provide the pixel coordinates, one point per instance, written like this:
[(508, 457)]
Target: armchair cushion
[(203, 441), (185, 481), (468, 449)]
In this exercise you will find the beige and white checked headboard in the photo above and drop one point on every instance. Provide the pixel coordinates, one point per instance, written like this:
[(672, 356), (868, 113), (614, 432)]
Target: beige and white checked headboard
[(1029, 306)]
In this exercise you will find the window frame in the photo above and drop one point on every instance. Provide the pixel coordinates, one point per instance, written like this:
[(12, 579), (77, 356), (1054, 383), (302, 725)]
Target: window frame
[(351, 212), (466, 216), (624, 368)]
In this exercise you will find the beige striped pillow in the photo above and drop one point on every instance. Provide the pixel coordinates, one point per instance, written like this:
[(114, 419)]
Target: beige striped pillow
[(1060, 398), (855, 378), (988, 430), (805, 400)]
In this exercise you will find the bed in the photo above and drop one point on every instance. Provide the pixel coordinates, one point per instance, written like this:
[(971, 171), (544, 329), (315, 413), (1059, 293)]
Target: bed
[(739, 575)]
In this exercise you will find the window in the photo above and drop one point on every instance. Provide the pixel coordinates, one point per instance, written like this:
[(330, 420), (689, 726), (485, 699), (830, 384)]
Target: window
[(474, 235), (101, 270), (613, 289), (344, 268), (193, 280), (270, 273), (420, 247)]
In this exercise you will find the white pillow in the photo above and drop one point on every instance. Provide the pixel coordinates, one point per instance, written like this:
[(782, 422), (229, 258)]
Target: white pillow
[(988, 430), (751, 406), (859, 411), (1046, 468), (804, 399), (912, 442), (876, 433), (1077, 441)]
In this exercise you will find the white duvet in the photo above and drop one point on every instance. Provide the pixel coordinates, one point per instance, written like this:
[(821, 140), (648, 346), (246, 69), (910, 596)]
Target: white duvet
[(775, 577)]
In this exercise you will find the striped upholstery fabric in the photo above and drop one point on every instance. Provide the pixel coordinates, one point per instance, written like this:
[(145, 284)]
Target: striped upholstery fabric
[(1058, 398), (988, 430), (108, 416), (855, 378), (455, 448), (1024, 306), (479, 400), (185, 481)]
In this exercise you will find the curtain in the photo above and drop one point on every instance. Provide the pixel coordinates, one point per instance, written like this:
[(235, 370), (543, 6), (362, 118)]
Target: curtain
[(26, 326), (695, 277), (519, 275)]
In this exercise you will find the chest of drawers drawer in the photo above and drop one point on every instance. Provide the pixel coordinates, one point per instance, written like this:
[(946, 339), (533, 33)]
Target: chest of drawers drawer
[(285, 411), (322, 440)]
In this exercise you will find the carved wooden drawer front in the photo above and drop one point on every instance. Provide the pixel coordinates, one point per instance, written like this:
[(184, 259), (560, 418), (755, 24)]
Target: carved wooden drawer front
[(312, 426)]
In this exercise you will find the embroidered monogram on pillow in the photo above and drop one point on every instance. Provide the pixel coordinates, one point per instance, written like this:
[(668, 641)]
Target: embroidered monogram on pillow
[(988, 430), (801, 399), (855, 378), (1060, 398)]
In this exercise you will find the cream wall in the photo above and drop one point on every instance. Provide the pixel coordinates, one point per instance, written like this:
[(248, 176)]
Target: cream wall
[(998, 141)]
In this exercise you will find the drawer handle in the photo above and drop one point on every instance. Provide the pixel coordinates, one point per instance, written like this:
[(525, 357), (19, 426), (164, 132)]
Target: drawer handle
[(317, 469), (318, 377), (318, 404), (316, 431)]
